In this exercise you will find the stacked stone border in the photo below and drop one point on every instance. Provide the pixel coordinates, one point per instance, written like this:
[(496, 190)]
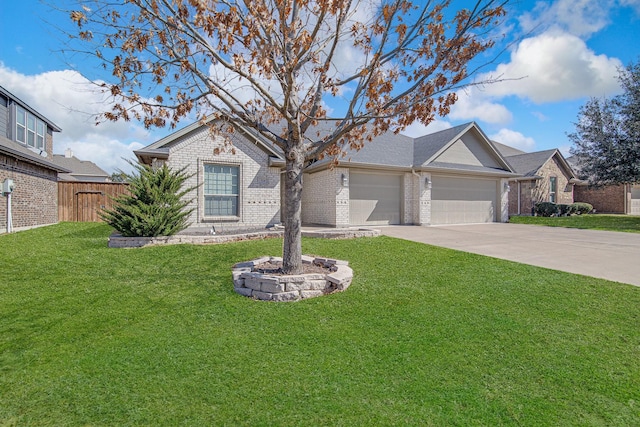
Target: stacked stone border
[(119, 241), (270, 287)]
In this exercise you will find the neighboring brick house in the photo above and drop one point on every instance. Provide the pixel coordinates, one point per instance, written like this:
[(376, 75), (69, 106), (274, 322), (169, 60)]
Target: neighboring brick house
[(26, 148), (452, 176), (545, 177), (616, 199)]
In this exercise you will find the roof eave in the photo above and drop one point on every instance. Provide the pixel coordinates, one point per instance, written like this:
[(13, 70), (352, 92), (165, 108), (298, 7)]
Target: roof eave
[(316, 167), (33, 160), (494, 173)]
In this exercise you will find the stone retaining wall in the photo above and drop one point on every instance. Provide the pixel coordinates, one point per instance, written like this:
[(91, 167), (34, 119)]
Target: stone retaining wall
[(118, 241), (270, 287)]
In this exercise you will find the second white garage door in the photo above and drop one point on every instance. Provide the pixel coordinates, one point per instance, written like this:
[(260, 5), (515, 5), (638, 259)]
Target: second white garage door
[(374, 198), (463, 200)]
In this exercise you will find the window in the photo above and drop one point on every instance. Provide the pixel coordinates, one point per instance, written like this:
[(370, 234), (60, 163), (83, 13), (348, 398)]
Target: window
[(553, 184), (221, 190), (29, 129)]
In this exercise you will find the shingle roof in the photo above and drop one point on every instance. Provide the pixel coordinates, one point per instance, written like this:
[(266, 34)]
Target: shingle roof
[(506, 150), (78, 167), (429, 145), (528, 164), (388, 150)]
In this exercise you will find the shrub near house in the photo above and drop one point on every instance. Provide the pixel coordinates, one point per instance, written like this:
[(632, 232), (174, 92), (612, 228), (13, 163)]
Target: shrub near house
[(154, 207), (549, 209)]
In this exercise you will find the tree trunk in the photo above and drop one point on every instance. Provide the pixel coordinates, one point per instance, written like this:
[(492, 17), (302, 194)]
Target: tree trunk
[(292, 246)]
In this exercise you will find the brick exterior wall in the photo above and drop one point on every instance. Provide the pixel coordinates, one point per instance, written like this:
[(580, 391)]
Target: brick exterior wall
[(418, 200), (607, 199), (504, 191), (319, 197), (410, 198), (538, 190), (259, 200), (526, 189), (35, 198), (342, 198), (324, 200)]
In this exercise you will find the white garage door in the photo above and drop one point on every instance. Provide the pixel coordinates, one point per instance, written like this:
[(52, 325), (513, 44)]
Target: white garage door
[(463, 200), (374, 199), (635, 200)]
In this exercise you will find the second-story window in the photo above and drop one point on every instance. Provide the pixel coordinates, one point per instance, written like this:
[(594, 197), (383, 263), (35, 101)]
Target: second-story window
[(29, 129)]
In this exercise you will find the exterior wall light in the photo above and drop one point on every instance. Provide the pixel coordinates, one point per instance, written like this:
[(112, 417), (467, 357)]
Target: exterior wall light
[(506, 187), (344, 181), (427, 182)]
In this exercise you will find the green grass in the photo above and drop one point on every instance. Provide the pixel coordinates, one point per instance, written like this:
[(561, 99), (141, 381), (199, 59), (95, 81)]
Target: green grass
[(625, 223), (424, 336)]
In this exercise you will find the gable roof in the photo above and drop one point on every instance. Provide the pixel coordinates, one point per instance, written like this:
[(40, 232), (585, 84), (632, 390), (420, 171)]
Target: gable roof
[(160, 149), (395, 151), (387, 151), (529, 164), (428, 146), (84, 168)]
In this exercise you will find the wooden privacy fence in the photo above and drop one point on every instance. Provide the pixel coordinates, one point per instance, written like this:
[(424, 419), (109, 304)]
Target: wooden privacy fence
[(81, 201)]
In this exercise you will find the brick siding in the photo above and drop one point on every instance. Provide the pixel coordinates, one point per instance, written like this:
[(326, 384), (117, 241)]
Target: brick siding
[(35, 198), (324, 200), (607, 199), (538, 190), (259, 202)]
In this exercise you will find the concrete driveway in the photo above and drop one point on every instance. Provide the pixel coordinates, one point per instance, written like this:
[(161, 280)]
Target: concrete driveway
[(602, 254)]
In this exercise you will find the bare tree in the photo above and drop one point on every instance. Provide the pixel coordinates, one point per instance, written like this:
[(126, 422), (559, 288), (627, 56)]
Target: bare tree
[(274, 67)]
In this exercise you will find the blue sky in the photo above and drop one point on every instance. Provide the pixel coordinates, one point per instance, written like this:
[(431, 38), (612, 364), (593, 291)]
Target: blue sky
[(565, 51)]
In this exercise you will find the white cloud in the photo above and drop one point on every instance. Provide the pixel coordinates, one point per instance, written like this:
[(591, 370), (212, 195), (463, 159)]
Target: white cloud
[(555, 67), (514, 139), (577, 17), (417, 129), (634, 4), (71, 102), (472, 104), (109, 154), (540, 116)]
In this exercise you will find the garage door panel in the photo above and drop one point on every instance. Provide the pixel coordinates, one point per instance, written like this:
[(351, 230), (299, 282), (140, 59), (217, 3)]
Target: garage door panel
[(462, 200), (374, 199)]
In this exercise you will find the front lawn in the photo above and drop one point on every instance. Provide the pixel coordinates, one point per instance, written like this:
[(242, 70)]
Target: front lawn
[(424, 336), (626, 223)]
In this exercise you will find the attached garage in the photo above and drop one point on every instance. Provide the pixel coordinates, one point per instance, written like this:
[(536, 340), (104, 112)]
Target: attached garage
[(456, 200), (374, 198), (635, 200)]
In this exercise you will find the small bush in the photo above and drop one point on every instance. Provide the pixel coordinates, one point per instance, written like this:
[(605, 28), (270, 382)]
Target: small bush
[(154, 207), (582, 208), (565, 210), (546, 209)]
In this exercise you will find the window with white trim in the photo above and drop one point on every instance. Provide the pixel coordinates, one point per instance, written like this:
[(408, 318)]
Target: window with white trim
[(553, 188), (221, 190), (29, 129)]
